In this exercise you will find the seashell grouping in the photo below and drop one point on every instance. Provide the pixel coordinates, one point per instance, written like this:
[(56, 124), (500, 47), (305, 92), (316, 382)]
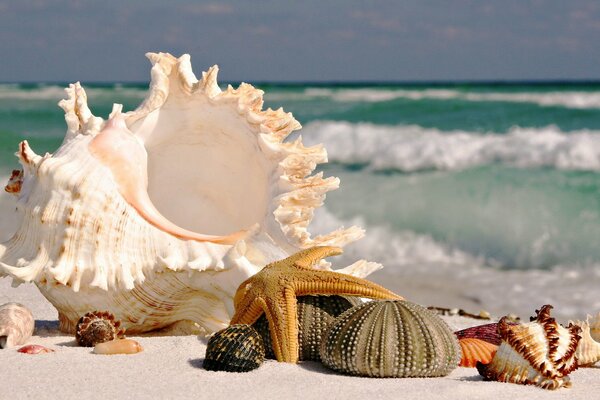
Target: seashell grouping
[(588, 349), (237, 348), (16, 325), (541, 352), (315, 314), (158, 214), (390, 339), (98, 327), (118, 346)]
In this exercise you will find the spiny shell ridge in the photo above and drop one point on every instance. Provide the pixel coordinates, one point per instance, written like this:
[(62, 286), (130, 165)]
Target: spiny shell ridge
[(588, 349), (98, 327), (237, 348), (541, 352), (315, 314), (390, 339)]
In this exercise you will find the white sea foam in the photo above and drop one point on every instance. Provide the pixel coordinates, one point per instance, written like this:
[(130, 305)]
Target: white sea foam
[(569, 99), (413, 148), (54, 92), (421, 262)]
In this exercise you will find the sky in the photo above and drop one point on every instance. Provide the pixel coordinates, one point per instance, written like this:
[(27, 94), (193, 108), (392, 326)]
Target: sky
[(323, 40)]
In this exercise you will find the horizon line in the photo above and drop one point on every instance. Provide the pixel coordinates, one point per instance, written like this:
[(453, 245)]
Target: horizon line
[(475, 82)]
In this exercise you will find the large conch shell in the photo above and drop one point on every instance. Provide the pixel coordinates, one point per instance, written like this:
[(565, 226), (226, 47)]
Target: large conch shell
[(588, 350), (158, 214)]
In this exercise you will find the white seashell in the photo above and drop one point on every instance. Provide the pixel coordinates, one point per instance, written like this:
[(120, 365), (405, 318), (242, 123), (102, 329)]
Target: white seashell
[(16, 325), (541, 352), (588, 349), (127, 215)]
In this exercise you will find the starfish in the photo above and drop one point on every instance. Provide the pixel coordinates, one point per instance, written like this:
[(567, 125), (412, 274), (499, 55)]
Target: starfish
[(273, 291)]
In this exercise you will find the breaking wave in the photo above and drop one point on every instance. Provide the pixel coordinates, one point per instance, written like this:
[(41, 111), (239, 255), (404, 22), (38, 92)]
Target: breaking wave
[(410, 148)]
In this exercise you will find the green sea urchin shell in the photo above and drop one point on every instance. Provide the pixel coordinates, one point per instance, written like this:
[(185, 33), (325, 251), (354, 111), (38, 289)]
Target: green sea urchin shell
[(390, 339), (237, 348), (315, 314)]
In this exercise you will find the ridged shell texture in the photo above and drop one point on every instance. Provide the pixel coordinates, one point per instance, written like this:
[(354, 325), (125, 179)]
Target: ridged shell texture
[(237, 348), (315, 314), (98, 327), (476, 351), (16, 325), (541, 353), (390, 339)]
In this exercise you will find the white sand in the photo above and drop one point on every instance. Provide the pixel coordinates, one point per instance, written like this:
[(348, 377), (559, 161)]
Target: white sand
[(170, 367)]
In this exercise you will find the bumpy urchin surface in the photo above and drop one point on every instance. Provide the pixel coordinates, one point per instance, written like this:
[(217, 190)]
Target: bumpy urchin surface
[(390, 339)]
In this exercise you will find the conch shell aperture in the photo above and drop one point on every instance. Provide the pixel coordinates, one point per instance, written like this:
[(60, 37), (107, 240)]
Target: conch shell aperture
[(158, 214)]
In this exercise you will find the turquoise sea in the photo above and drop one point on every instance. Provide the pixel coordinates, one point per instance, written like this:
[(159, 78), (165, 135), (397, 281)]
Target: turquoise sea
[(498, 177)]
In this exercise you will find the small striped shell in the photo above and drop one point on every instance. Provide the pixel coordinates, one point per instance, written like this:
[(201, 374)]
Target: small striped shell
[(390, 339), (588, 350), (541, 353), (315, 314), (237, 348), (98, 327), (16, 325), (476, 350)]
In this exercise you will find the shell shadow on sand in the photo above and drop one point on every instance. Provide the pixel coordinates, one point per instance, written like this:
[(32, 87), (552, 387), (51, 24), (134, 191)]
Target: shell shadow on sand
[(46, 328)]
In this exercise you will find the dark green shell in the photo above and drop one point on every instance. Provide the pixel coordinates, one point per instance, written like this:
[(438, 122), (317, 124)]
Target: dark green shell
[(390, 339), (315, 314), (237, 348)]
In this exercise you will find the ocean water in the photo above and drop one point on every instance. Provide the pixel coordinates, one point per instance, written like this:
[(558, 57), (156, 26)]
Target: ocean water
[(492, 188)]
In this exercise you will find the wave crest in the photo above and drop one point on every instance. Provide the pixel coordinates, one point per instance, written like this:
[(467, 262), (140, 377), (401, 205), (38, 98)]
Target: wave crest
[(568, 99), (410, 148)]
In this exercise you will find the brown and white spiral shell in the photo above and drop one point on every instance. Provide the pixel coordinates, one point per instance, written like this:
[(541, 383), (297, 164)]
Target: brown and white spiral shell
[(16, 325), (98, 327), (541, 352)]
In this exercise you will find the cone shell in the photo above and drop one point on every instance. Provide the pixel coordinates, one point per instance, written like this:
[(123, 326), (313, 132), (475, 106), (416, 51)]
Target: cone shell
[(16, 325), (474, 351), (237, 348), (541, 353), (98, 327), (159, 213), (315, 314), (588, 350), (118, 346), (390, 339)]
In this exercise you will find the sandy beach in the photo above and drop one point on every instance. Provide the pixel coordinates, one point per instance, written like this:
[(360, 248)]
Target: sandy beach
[(171, 367)]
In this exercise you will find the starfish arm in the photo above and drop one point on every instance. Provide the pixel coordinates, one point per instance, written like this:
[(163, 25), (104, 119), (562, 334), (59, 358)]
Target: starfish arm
[(308, 257), (329, 282), (281, 313), (249, 312)]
